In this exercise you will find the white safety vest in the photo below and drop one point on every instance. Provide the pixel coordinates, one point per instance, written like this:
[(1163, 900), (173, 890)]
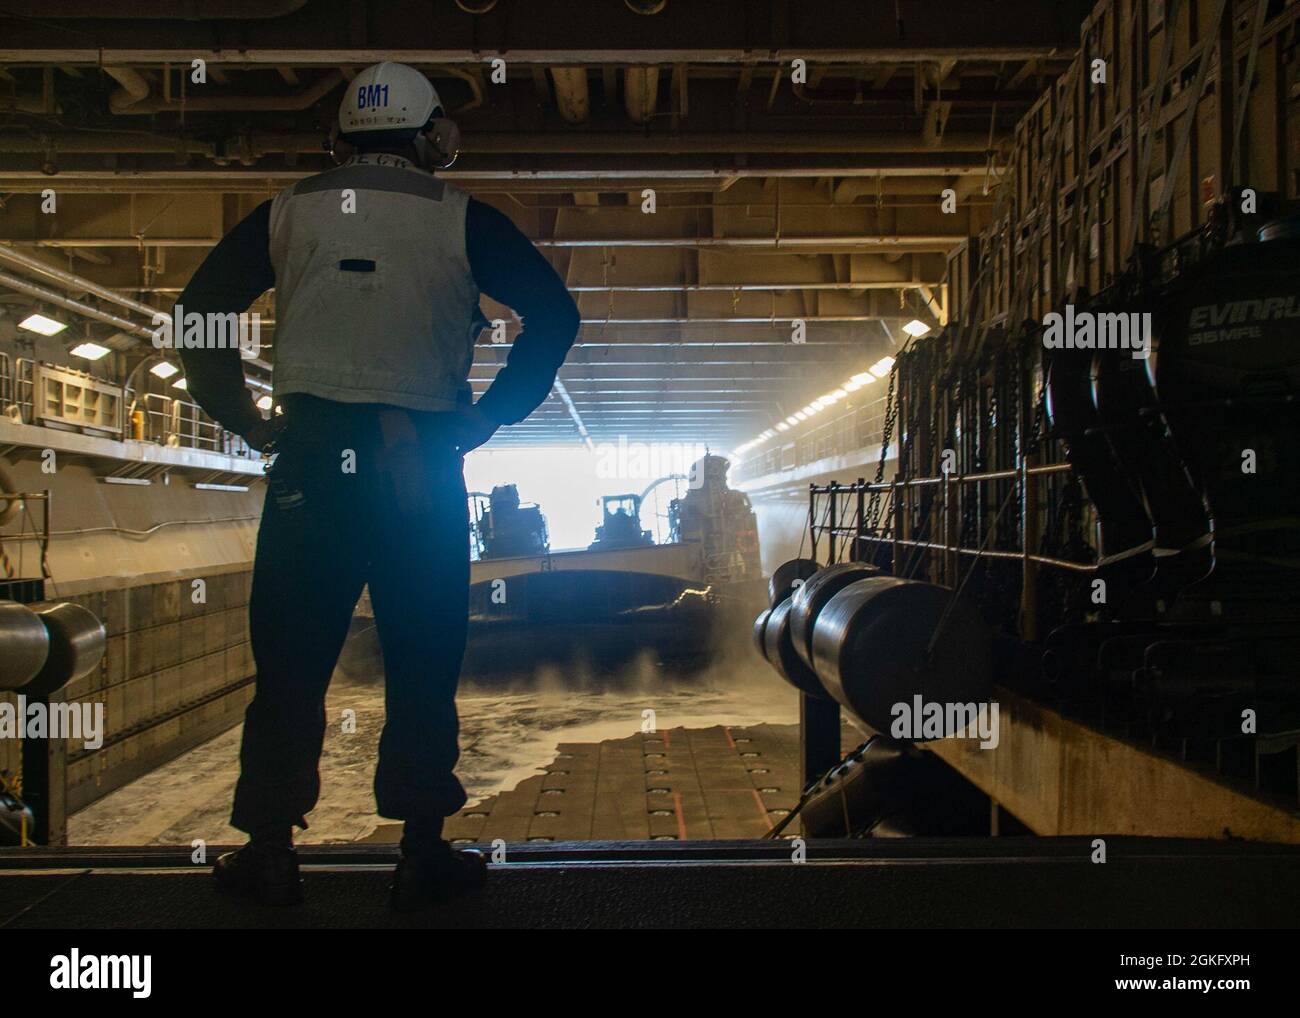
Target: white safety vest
[(377, 304)]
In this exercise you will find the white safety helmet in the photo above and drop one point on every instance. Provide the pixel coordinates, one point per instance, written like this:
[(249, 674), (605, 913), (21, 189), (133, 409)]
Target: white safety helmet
[(390, 104)]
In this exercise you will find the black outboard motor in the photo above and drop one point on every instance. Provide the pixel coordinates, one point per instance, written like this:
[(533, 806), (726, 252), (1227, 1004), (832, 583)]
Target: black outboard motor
[(1127, 415), (1125, 540), (1207, 430), (1226, 373)]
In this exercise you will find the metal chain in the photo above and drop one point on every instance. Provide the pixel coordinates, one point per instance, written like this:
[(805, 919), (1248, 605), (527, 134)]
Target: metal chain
[(874, 507)]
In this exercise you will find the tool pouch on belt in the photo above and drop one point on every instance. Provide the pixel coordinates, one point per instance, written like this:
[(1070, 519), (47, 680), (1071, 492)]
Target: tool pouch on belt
[(284, 476)]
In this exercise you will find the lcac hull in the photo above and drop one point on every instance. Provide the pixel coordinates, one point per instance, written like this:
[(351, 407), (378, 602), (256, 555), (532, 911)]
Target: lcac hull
[(656, 612), (591, 621), (681, 560)]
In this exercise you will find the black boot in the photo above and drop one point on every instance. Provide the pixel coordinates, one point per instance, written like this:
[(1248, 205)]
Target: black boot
[(262, 871), (430, 871), (421, 881)]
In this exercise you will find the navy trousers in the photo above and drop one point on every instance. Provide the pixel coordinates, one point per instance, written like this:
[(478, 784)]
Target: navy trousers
[(358, 493)]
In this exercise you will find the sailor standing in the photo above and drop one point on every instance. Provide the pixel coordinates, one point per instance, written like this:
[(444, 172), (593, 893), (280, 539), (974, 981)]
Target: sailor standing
[(378, 266)]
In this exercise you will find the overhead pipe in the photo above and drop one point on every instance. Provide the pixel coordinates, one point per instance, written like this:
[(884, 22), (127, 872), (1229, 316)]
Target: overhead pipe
[(172, 10), (110, 143), (640, 95), (108, 318), (729, 56), (134, 88), (875, 190), (874, 284), (897, 96), (609, 143), (86, 255), (941, 242), (136, 242), (77, 307), (299, 100), (550, 143), (571, 93), (914, 243), (738, 320), (591, 143), (472, 80), (73, 281), (531, 180)]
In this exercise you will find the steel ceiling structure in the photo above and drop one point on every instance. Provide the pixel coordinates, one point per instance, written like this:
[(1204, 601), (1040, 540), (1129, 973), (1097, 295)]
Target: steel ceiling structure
[(796, 216)]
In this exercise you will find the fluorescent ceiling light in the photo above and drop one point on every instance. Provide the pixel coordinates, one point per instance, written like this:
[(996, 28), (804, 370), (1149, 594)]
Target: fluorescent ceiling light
[(90, 351), (782, 426), (839, 394), (852, 386), (916, 328), (863, 378), (881, 368), (181, 384), (792, 419), (164, 369), (40, 324), (265, 403), (800, 415)]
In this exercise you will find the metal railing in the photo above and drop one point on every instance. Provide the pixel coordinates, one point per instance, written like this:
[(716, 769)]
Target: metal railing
[(860, 428), (842, 519), (17, 387), (168, 421), (157, 418)]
